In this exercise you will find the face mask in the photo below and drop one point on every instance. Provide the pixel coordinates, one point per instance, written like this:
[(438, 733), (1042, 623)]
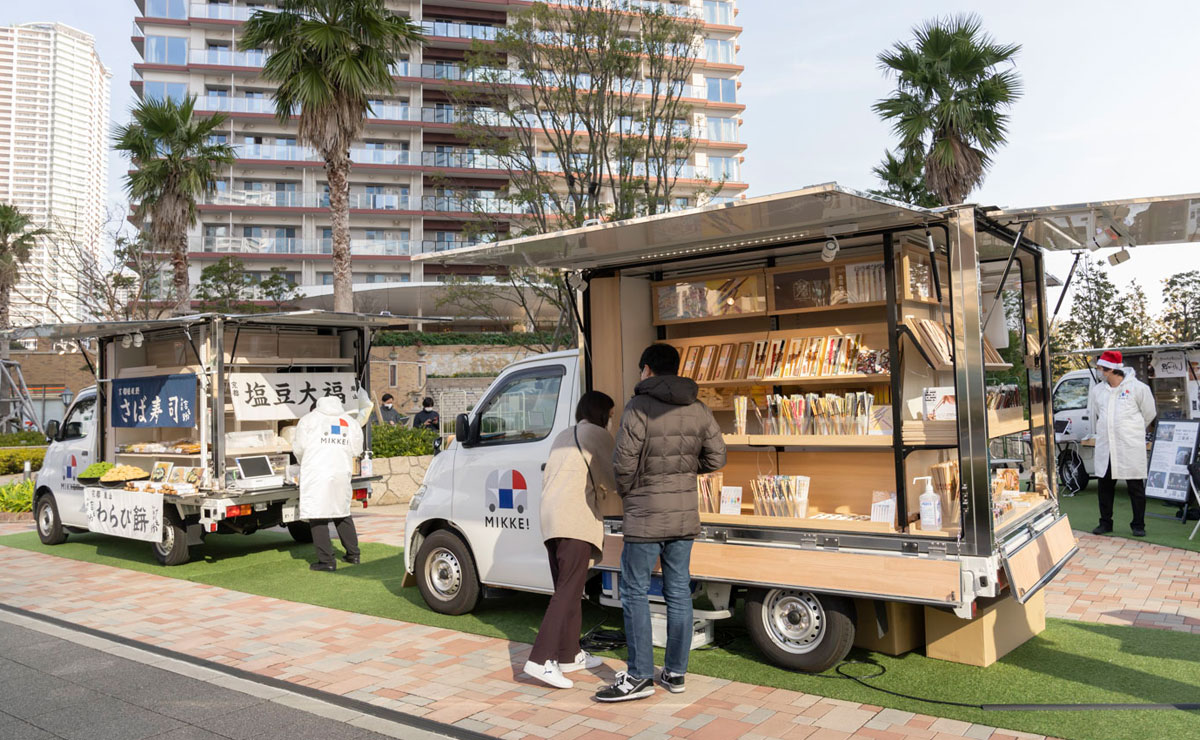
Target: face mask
[(387, 405)]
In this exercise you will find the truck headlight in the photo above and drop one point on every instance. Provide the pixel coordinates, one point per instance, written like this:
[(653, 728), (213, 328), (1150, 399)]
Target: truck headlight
[(416, 499)]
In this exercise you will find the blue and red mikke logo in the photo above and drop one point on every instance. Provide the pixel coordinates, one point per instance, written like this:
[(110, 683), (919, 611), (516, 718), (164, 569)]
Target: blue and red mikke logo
[(72, 467), (340, 427), (506, 489)]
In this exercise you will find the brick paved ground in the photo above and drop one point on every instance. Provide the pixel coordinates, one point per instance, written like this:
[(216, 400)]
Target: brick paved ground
[(467, 680)]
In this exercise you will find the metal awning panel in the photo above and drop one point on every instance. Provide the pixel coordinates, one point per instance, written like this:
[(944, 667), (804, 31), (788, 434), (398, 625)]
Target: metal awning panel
[(1168, 219), (811, 213), (95, 329)]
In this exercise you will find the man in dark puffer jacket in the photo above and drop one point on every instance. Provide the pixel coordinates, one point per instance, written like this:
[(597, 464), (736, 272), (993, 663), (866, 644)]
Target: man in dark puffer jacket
[(666, 438)]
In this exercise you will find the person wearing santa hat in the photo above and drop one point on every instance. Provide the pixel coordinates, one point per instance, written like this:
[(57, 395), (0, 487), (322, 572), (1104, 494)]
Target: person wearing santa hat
[(1121, 407)]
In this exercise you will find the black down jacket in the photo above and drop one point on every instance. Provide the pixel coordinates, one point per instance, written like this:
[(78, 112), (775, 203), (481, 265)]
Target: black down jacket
[(666, 438)]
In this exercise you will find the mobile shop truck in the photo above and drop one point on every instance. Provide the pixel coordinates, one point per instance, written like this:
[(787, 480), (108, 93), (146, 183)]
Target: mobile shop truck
[(895, 317), (201, 411), (1171, 370)]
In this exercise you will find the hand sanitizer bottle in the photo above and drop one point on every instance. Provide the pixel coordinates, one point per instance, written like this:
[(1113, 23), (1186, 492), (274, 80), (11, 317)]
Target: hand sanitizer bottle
[(366, 467), (931, 506)]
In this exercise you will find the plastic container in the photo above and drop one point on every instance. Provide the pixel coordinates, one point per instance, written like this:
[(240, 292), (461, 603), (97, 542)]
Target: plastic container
[(931, 506)]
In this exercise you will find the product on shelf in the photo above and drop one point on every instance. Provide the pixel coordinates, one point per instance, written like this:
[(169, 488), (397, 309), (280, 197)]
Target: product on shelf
[(873, 362), (689, 364), (724, 357), (883, 506), (740, 406), (97, 469), (780, 495), (865, 282), (939, 403), (709, 489), (123, 473), (742, 363), (706, 363), (161, 471), (1003, 396)]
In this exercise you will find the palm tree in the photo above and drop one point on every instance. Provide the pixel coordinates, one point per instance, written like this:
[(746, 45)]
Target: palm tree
[(950, 98), (328, 58), (17, 240), (903, 180), (176, 162)]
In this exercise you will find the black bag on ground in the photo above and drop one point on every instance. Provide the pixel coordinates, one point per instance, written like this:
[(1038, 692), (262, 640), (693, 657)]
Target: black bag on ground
[(1071, 472)]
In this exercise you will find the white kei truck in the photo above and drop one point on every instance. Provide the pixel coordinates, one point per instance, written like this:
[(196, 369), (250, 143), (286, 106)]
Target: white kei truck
[(821, 266), (211, 395)]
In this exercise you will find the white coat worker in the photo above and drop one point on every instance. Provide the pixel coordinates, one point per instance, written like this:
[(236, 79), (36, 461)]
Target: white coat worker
[(327, 441), (1121, 407)]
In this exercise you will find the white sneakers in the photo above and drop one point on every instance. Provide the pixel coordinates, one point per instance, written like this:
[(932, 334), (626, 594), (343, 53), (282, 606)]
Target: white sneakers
[(583, 660), (551, 672), (548, 673)]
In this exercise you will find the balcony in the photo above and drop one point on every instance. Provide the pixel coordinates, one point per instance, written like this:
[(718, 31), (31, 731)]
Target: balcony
[(137, 32), (501, 76), (227, 57), (379, 156), (294, 153), (429, 246), (464, 159), (222, 12), (295, 246), (453, 204), (306, 199), (227, 104), (452, 30), (388, 112)]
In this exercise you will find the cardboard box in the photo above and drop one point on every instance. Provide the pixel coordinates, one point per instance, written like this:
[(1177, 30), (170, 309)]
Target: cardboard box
[(905, 627), (998, 628)]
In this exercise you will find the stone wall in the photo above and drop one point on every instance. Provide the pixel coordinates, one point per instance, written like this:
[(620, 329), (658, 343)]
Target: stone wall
[(401, 478)]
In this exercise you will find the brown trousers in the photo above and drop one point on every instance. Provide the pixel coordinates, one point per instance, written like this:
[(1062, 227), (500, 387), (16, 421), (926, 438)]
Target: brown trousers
[(558, 637)]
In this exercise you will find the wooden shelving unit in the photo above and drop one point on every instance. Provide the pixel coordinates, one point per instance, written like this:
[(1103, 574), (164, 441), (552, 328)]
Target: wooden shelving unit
[(845, 525), (818, 380), (831, 441)]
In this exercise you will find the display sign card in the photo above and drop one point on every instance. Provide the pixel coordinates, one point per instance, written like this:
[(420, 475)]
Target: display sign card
[(275, 396), (938, 404), (1174, 447), (156, 401), (1169, 365), (1193, 384), (136, 515), (731, 500)]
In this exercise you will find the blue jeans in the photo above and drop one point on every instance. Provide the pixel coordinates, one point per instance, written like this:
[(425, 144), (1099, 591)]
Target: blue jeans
[(637, 562)]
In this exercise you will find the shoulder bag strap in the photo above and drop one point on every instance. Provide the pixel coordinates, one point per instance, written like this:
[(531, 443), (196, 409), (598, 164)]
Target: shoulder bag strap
[(585, 462)]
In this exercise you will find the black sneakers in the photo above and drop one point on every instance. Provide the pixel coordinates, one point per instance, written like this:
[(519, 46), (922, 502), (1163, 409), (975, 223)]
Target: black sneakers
[(626, 688), (672, 682), (352, 559), (1138, 531), (1102, 530), (326, 567)]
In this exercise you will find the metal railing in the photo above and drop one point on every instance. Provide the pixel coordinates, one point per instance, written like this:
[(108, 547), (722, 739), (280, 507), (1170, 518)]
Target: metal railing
[(436, 245), (372, 247), (288, 245), (379, 156), (454, 204), (138, 33), (218, 11), (227, 57), (306, 199), (452, 30), (296, 153), (466, 159)]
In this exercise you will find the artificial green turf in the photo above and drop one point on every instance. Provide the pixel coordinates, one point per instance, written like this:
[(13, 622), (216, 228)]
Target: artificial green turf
[(1083, 510), (1070, 662)]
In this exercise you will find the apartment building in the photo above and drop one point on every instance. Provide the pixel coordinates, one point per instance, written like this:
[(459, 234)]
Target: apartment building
[(415, 184), (54, 124)]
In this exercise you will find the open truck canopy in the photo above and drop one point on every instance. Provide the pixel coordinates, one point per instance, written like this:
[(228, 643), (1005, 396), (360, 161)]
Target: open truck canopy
[(312, 318)]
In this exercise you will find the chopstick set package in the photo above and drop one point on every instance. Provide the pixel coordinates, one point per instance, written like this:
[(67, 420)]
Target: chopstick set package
[(812, 413), (780, 495), (709, 489)]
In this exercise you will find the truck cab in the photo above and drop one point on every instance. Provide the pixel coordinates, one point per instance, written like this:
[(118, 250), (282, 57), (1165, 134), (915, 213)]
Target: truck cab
[(73, 446), (476, 517)]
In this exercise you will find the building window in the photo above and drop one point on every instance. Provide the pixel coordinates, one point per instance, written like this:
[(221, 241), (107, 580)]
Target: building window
[(326, 278), (393, 375), (722, 91), (176, 91), (718, 51), (166, 9), (719, 12), (723, 168), (166, 50), (722, 129)]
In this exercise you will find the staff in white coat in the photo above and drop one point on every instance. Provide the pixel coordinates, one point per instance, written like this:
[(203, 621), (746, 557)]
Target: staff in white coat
[(1121, 407), (327, 441)]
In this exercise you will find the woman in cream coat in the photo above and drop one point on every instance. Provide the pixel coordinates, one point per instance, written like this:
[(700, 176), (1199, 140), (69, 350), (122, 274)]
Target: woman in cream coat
[(578, 477)]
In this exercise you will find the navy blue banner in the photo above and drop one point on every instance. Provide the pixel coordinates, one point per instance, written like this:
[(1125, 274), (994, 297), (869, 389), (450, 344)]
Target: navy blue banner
[(157, 401)]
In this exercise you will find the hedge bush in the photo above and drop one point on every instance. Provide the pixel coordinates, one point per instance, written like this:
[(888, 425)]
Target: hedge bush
[(13, 461), (22, 439), (507, 339), (401, 441), (17, 496)]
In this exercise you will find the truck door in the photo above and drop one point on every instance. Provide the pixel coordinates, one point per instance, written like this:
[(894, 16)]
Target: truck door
[(74, 450), (498, 482)]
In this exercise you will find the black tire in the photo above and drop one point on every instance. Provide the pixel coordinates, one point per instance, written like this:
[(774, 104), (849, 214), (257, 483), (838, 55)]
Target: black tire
[(173, 550), (300, 531), (446, 574), (800, 630), (49, 526)]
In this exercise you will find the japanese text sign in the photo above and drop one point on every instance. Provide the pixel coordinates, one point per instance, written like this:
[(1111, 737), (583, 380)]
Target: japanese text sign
[(157, 401), (137, 515), (274, 396)]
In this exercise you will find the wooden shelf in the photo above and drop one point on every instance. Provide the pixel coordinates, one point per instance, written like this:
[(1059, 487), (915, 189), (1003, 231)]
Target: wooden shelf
[(834, 307), (1000, 424), (822, 380), (784, 522), (832, 441)]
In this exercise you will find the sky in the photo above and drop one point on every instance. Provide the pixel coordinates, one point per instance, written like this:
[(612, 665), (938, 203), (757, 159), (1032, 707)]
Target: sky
[(1109, 110)]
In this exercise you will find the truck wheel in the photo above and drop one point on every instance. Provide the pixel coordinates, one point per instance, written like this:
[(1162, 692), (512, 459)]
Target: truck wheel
[(300, 531), (446, 574), (800, 630), (49, 526), (173, 550)]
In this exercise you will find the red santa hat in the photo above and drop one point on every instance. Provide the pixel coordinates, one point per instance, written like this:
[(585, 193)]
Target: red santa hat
[(1110, 359)]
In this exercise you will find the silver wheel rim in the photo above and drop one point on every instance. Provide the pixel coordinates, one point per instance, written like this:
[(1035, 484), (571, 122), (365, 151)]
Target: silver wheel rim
[(443, 573), (795, 620), (46, 519), (168, 539)]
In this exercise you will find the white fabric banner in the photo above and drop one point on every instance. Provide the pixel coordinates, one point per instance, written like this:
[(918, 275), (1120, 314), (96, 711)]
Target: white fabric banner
[(133, 514), (275, 396)]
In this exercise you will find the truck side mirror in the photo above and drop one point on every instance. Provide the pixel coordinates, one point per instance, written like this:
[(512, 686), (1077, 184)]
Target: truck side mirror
[(52, 430), (462, 430)]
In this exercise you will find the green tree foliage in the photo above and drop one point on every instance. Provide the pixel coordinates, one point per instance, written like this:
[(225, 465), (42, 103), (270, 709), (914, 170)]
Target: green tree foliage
[(176, 163), (226, 287), (1181, 314), (279, 292), (401, 441), (1096, 312), (328, 58), (954, 84), (1136, 327), (903, 179), (18, 236)]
